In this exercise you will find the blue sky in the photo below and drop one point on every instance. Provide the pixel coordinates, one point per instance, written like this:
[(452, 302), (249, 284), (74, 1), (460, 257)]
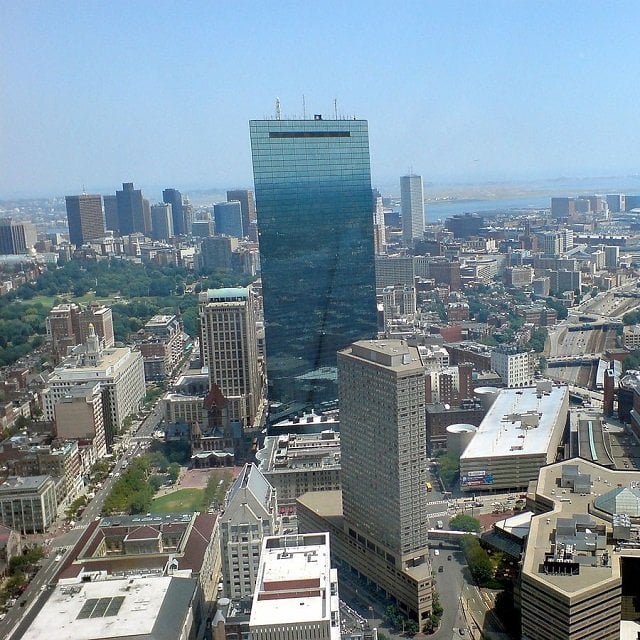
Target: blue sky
[(160, 93)]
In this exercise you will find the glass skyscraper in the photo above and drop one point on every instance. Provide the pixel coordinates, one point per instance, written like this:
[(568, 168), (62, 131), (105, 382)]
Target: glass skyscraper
[(315, 223)]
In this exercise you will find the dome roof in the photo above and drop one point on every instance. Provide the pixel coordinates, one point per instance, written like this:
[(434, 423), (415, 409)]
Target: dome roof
[(620, 500)]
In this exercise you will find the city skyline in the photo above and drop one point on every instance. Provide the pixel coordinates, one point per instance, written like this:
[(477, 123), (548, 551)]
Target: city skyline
[(469, 92)]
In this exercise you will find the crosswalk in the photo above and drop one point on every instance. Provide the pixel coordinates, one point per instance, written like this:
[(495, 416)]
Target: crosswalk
[(438, 502)]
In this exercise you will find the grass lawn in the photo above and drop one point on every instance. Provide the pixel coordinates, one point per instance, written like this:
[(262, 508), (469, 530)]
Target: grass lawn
[(183, 500)]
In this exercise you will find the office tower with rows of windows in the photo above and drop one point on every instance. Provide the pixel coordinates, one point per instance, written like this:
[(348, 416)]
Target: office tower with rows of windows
[(85, 218), (174, 198), (228, 218), (313, 198), (16, 237), (382, 386), (247, 201), (130, 210), (161, 221), (229, 346), (412, 208)]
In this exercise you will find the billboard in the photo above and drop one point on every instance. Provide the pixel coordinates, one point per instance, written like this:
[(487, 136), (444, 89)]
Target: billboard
[(476, 479)]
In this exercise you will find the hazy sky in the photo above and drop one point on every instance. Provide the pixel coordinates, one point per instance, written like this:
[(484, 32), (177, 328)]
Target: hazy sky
[(160, 93)]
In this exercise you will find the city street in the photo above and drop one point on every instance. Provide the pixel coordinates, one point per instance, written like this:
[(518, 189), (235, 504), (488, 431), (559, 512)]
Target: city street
[(20, 616)]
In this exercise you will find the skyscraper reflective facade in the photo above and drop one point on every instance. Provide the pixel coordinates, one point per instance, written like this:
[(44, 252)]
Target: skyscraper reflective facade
[(313, 200)]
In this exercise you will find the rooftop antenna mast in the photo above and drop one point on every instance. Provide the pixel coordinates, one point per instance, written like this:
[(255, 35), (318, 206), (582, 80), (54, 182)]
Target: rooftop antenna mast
[(335, 108), (304, 108), (278, 114)]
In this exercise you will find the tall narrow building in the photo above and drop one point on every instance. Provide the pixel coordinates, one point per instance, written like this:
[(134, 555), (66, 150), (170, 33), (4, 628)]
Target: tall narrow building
[(161, 221), (16, 237), (230, 350), (111, 213), (313, 198), (130, 210), (250, 514), (248, 203), (85, 218), (412, 208), (174, 198)]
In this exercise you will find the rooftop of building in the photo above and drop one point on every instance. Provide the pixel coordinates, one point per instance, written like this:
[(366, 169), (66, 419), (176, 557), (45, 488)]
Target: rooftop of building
[(293, 452), (193, 531), (395, 355), (520, 422), (251, 479), (160, 320), (228, 294), (147, 608), (293, 579), (574, 563), (23, 483), (75, 366)]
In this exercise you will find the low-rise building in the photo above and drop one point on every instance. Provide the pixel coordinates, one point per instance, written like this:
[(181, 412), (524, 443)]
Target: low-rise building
[(28, 504), (162, 347), (186, 544), (516, 368), (296, 569), (119, 371), (296, 463), (149, 607), (521, 432), (580, 560)]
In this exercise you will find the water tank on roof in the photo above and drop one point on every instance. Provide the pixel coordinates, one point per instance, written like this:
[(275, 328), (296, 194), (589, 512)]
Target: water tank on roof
[(458, 437), (486, 395)]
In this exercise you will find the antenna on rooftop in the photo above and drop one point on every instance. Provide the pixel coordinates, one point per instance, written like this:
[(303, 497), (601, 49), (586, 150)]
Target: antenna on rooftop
[(335, 107), (304, 108), (278, 109)]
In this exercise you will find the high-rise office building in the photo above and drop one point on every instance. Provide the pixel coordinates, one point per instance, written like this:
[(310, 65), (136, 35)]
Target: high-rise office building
[(412, 208), (146, 216), (229, 346), (187, 216), (381, 531), (161, 221), (615, 202), (248, 203), (130, 210), (85, 218), (16, 237), (383, 443), (174, 198), (111, 213), (313, 198), (228, 218)]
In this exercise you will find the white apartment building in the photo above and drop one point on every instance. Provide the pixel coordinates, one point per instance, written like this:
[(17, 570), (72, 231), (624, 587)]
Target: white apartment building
[(250, 514), (515, 369), (296, 592), (119, 371)]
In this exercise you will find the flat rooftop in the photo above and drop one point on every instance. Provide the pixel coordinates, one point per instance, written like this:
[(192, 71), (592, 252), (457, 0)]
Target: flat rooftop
[(565, 504), (153, 608), (293, 580), (293, 452), (521, 422)]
